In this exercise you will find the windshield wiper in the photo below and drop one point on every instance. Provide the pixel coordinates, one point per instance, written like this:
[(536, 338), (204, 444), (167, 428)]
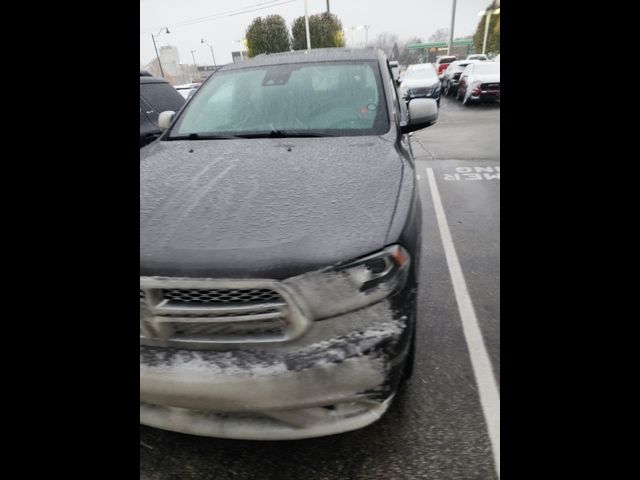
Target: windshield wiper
[(201, 136), (285, 134)]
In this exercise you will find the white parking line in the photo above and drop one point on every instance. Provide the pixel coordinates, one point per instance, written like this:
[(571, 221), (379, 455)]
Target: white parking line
[(487, 386)]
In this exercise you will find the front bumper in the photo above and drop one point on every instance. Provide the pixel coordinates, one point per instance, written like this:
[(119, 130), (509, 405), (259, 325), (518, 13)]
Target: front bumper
[(340, 376), (487, 95)]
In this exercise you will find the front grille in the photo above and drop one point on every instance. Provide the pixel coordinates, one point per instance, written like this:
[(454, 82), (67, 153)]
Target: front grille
[(490, 86), (208, 312), (419, 92), (221, 296)]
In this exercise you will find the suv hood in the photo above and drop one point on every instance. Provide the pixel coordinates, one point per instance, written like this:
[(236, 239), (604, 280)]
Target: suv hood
[(264, 208), (419, 83)]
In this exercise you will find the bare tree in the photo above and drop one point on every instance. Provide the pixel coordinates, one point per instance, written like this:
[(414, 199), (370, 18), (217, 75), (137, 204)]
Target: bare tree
[(385, 42), (440, 35)]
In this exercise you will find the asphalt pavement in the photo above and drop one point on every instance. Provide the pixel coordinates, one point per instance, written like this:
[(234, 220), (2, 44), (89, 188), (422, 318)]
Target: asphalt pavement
[(440, 425)]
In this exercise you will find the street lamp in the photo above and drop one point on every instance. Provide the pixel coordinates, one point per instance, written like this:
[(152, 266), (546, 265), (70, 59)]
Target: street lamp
[(153, 37), (195, 65), (488, 13), (214, 57)]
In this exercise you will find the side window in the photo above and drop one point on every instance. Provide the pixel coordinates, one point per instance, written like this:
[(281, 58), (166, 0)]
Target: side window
[(161, 96), (148, 111)]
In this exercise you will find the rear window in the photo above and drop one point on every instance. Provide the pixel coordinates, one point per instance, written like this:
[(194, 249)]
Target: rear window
[(161, 96)]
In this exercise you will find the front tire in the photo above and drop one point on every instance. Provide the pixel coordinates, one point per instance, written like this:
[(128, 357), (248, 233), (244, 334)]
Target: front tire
[(410, 361)]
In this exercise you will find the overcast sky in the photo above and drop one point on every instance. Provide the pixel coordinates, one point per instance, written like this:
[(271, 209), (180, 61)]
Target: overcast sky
[(221, 23)]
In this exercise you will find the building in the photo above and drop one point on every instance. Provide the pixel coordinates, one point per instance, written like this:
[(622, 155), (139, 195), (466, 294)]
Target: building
[(430, 51), (205, 70), (170, 59)]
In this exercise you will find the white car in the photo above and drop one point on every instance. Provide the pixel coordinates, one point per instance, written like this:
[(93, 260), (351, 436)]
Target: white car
[(480, 81), (478, 56)]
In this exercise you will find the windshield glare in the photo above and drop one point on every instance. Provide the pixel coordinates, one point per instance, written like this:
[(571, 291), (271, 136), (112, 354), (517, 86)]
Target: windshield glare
[(324, 98)]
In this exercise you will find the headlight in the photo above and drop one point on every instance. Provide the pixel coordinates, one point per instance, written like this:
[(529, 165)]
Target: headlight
[(353, 285)]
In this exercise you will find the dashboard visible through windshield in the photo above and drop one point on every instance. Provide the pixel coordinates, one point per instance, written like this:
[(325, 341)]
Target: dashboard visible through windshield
[(329, 98)]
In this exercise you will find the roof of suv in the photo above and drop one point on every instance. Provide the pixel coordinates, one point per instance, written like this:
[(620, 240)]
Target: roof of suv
[(152, 80), (300, 56)]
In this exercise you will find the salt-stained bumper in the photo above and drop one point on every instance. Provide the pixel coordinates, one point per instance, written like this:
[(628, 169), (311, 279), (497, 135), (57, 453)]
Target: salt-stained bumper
[(340, 376)]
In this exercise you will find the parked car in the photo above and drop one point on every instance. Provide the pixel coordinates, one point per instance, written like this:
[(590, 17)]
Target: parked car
[(480, 81), (395, 69), (443, 62), (421, 81), (451, 76), (186, 89), (478, 56), (156, 95), (497, 58), (280, 227)]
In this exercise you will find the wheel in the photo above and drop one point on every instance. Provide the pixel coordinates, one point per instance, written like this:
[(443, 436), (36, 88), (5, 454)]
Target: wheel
[(411, 357), (458, 96)]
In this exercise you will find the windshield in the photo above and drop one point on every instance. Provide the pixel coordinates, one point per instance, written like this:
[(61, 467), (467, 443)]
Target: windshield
[(332, 98), (427, 73), (487, 68)]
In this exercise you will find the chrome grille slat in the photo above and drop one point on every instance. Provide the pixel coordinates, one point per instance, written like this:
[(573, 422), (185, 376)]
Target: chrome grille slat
[(204, 313), (243, 318), (230, 309)]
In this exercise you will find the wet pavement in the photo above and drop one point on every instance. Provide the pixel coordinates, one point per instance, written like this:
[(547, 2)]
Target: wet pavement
[(436, 429)]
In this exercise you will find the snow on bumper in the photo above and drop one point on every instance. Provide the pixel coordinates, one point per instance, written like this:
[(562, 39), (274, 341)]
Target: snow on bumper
[(336, 378)]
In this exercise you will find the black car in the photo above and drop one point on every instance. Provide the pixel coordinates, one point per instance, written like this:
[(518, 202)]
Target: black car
[(451, 76), (280, 227), (421, 81), (156, 95)]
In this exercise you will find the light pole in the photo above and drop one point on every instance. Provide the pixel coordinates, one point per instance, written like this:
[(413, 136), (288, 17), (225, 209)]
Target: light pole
[(487, 20), (195, 65), (214, 57), (153, 37), (306, 25), (328, 9), (453, 21)]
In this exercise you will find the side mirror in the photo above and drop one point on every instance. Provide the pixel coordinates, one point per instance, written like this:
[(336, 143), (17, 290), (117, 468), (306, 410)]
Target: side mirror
[(165, 119), (423, 112)]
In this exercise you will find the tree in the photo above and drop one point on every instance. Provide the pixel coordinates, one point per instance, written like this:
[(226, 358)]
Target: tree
[(395, 52), (493, 38), (440, 35), (267, 36), (410, 56), (325, 30), (385, 42)]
